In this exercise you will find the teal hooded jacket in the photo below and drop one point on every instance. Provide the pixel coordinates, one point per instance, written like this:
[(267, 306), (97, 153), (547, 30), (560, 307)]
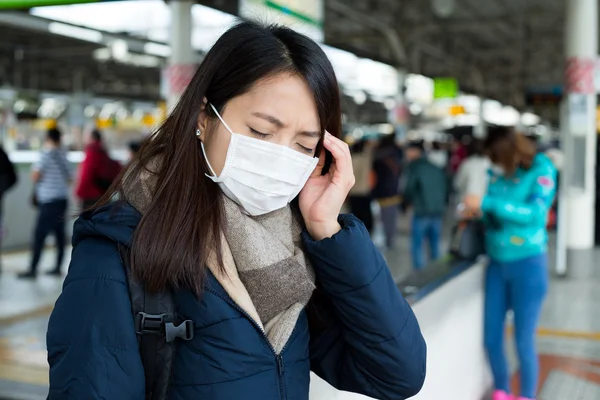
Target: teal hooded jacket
[(516, 209)]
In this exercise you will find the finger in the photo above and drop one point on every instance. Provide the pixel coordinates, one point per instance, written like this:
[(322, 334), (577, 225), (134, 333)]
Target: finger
[(341, 154), (318, 171)]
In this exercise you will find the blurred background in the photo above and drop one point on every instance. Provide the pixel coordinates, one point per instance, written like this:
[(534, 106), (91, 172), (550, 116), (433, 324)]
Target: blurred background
[(435, 72)]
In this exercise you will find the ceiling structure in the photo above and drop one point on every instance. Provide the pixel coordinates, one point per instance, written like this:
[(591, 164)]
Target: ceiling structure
[(496, 48), (32, 58)]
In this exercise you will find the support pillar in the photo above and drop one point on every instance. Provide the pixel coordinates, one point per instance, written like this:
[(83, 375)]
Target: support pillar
[(577, 192), (181, 67), (400, 115), (480, 130)]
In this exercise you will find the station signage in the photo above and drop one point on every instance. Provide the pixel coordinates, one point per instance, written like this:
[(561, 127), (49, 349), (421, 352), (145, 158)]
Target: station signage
[(445, 88), (543, 95), (305, 16)]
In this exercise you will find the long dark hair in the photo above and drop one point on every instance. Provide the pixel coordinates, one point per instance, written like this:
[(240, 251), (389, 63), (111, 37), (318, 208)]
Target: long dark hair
[(183, 222)]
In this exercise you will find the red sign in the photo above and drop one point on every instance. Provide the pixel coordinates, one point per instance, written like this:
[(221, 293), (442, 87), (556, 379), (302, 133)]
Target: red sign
[(579, 75), (180, 76)]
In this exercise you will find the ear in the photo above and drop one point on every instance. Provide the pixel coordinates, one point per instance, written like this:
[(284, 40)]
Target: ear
[(202, 120)]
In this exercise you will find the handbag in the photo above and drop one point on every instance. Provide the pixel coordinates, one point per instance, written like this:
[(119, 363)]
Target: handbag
[(468, 240)]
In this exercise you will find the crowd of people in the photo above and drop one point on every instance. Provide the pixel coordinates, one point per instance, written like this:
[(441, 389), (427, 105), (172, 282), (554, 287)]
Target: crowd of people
[(54, 179), (506, 186), (417, 179)]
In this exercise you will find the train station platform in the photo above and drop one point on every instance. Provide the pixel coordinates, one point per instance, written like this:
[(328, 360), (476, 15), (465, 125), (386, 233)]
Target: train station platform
[(568, 337)]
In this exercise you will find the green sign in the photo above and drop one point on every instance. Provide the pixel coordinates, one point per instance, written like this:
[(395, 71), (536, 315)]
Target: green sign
[(40, 3), (305, 16), (445, 88), (288, 10)]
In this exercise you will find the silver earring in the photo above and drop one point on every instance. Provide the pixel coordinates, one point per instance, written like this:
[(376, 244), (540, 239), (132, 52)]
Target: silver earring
[(198, 132)]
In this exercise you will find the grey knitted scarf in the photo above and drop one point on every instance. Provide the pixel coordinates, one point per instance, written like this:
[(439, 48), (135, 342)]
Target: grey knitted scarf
[(267, 251), (268, 256)]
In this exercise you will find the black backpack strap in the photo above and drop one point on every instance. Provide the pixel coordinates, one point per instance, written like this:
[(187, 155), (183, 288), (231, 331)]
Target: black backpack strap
[(157, 326)]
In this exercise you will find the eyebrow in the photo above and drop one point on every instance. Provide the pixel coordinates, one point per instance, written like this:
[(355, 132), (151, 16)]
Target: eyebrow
[(279, 124), (312, 134), (269, 118)]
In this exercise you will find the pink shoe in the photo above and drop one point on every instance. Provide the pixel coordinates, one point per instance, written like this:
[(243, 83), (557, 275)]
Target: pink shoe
[(501, 395)]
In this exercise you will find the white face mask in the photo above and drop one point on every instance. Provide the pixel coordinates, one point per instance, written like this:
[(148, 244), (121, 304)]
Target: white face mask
[(261, 176)]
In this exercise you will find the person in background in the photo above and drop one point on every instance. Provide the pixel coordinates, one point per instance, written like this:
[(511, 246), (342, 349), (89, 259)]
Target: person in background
[(387, 166), (96, 173), (438, 156), (52, 177), (426, 192), (458, 153), (8, 176), (472, 175), (360, 194), (521, 191), (8, 179)]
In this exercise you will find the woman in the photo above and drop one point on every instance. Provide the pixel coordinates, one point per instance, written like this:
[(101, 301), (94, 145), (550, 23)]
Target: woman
[(96, 173), (515, 208), (472, 175), (208, 217)]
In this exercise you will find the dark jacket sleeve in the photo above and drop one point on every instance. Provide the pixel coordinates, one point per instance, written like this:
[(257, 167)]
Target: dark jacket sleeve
[(370, 341), (92, 347)]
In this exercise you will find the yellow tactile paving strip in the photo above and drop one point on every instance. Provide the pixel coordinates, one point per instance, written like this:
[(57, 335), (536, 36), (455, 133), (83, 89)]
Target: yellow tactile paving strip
[(41, 311), (559, 333), (24, 374)]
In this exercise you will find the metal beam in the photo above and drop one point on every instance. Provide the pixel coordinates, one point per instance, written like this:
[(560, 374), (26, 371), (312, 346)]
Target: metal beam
[(389, 33)]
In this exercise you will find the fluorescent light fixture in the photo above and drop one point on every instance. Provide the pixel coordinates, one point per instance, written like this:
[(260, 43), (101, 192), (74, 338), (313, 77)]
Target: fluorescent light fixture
[(529, 119), (120, 50), (157, 49), (75, 32)]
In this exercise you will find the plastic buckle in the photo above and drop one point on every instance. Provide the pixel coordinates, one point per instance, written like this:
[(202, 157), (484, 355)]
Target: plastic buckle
[(149, 324), (184, 331)]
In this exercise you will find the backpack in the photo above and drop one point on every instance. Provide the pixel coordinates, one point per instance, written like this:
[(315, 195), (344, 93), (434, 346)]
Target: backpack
[(157, 326)]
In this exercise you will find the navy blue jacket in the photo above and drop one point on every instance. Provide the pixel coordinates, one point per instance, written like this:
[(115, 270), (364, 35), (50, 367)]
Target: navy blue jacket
[(362, 338)]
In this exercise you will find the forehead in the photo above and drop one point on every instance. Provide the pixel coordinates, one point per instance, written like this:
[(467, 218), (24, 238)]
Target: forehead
[(284, 96)]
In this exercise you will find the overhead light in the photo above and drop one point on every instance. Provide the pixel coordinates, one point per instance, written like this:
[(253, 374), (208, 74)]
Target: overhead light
[(157, 49), (75, 32), (389, 104), (415, 109), (89, 111), (529, 119), (19, 106), (360, 97), (443, 8), (120, 50)]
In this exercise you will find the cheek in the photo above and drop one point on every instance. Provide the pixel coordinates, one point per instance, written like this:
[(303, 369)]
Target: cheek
[(216, 145)]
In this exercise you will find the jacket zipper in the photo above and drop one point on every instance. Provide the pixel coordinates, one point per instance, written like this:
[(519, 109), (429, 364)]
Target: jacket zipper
[(278, 357), (281, 374)]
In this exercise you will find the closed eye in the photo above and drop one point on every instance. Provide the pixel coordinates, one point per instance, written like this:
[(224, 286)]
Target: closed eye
[(258, 134), (306, 149)]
